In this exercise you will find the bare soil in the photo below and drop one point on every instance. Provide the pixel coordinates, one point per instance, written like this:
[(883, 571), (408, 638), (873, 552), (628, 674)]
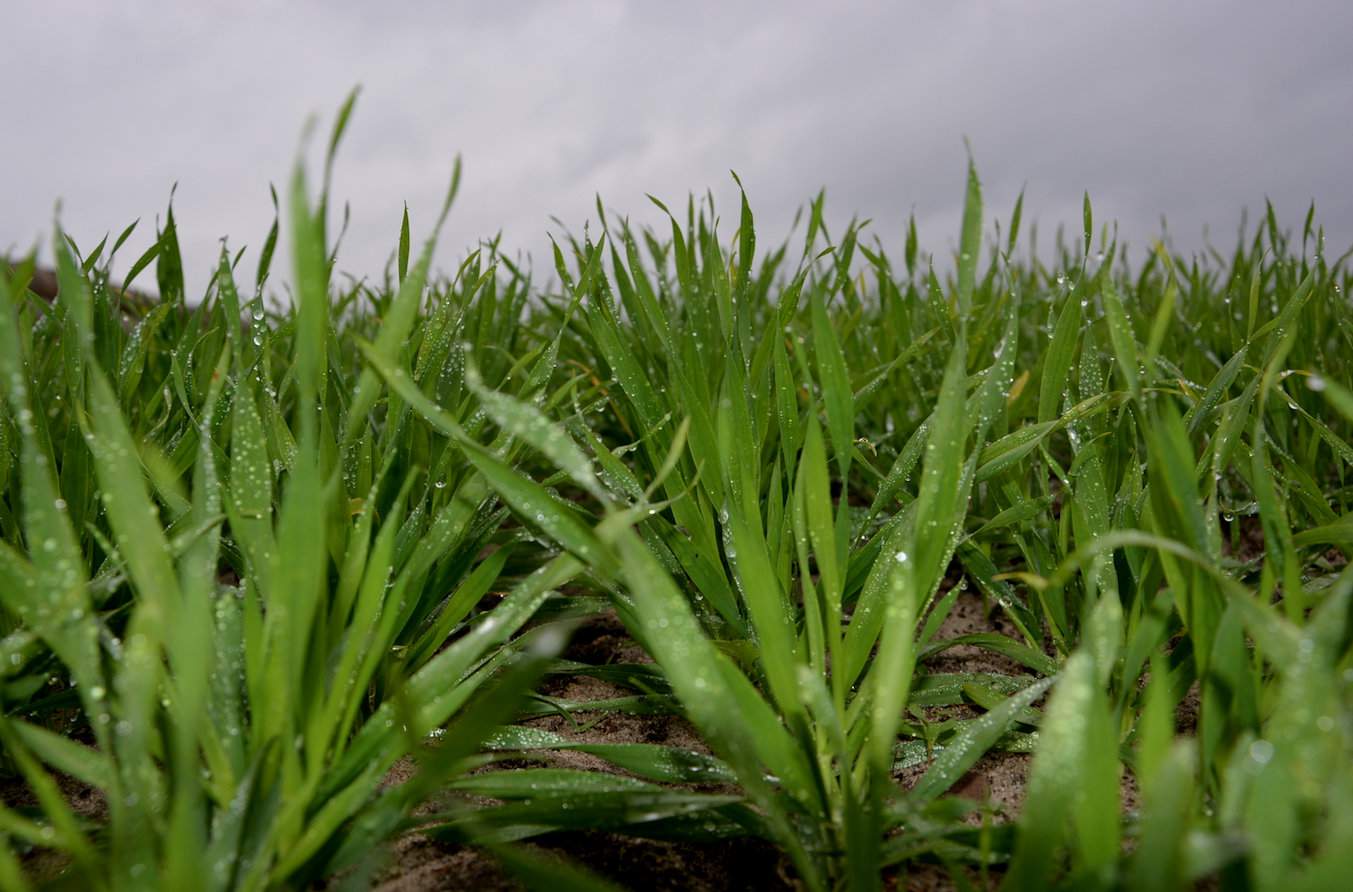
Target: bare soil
[(421, 864)]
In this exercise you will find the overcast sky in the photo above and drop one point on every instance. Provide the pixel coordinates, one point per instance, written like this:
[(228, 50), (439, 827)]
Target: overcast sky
[(1192, 110)]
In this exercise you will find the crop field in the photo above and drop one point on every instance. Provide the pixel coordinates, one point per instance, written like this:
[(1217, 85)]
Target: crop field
[(702, 561)]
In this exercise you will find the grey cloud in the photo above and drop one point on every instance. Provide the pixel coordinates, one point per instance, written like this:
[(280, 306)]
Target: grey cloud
[(1191, 110)]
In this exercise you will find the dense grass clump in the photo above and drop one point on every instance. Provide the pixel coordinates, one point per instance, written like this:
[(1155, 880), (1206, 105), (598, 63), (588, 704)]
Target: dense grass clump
[(256, 554)]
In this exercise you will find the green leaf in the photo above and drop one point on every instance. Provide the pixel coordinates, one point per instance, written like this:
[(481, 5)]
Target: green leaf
[(977, 737), (1056, 774), (970, 242), (1121, 337), (403, 267), (530, 424), (836, 392), (1058, 359)]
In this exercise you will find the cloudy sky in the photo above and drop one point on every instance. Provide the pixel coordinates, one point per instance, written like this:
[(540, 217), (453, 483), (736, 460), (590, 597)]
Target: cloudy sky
[(1191, 110)]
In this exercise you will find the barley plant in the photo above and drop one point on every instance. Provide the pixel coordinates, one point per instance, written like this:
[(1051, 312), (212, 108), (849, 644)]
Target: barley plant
[(258, 549)]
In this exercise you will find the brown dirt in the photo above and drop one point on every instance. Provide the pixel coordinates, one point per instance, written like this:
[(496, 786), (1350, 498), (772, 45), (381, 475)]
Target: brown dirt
[(996, 783), (600, 642), (88, 803), (1249, 537), (971, 615), (421, 864)]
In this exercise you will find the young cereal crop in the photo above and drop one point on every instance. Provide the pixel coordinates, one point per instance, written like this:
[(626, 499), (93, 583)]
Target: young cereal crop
[(283, 582)]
